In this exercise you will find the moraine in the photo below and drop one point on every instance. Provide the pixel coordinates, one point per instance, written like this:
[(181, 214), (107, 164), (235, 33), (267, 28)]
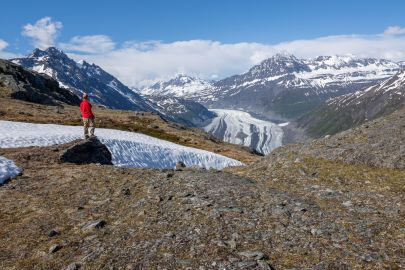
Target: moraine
[(242, 128)]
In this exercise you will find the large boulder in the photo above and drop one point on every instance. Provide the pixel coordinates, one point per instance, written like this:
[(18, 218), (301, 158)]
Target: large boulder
[(86, 152)]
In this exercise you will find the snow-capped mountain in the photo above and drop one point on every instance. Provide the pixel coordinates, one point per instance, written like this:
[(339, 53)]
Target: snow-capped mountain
[(181, 86), (343, 112), (242, 128), (102, 87), (287, 86)]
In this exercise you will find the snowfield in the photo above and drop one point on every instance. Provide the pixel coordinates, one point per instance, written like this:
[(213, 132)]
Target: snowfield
[(7, 169), (128, 149), (241, 128)]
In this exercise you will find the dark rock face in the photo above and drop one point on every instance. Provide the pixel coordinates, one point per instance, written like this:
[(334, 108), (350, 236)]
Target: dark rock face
[(86, 152), (19, 83)]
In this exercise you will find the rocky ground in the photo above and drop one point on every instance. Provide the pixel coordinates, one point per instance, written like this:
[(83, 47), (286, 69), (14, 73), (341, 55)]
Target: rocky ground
[(291, 210), (334, 203)]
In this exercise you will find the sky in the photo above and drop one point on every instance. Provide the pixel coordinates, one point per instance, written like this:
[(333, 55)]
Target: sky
[(146, 40)]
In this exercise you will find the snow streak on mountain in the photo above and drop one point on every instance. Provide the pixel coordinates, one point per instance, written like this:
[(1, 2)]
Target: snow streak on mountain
[(241, 128)]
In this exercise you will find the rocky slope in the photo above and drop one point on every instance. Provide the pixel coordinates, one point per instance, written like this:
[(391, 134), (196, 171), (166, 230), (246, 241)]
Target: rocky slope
[(353, 109), (18, 83), (291, 210)]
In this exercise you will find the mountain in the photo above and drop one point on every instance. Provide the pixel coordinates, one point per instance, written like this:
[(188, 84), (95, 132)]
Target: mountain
[(287, 86), (19, 83), (102, 87), (184, 111), (181, 86), (353, 109)]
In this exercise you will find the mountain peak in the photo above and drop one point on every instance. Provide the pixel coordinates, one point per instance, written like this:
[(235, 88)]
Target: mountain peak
[(51, 51)]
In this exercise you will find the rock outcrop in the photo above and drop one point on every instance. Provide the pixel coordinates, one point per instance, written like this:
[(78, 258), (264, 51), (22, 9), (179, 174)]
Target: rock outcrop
[(86, 152)]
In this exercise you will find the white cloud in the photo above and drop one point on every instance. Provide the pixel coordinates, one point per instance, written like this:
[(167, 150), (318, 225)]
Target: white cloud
[(43, 32), (3, 44), (4, 54), (394, 30), (89, 44), (140, 63)]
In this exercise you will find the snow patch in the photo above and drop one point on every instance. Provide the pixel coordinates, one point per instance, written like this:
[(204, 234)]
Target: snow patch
[(7, 169), (128, 149)]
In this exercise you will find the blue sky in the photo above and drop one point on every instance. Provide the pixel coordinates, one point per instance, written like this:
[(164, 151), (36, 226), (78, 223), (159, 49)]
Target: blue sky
[(100, 31)]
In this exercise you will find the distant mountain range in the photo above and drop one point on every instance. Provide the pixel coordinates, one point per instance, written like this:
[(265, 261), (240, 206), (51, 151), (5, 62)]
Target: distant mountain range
[(283, 85), (182, 85), (105, 89), (350, 110)]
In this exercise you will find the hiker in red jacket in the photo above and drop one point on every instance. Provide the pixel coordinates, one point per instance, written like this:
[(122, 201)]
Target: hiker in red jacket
[(88, 117)]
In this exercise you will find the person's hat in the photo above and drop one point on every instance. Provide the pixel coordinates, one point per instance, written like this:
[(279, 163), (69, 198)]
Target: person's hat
[(85, 95)]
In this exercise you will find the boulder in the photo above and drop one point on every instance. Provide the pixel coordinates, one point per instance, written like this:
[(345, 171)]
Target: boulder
[(86, 152)]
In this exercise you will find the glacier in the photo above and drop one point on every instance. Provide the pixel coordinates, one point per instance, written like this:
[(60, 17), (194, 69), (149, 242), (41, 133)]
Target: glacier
[(239, 127), (128, 149)]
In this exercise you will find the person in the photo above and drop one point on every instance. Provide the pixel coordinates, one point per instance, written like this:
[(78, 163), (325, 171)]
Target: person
[(88, 117)]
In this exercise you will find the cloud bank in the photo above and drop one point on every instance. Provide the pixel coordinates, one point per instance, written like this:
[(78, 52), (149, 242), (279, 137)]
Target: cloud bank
[(141, 63)]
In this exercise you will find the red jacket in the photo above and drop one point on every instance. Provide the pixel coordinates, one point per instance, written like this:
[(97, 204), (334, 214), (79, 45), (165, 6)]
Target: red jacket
[(85, 108)]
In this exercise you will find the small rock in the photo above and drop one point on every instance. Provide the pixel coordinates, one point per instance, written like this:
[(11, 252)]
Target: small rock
[(347, 203), (169, 175), (252, 254), (170, 235), (54, 248), (264, 265), (302, 172), (231, 243), (180, 166), (316, 232), (95, 225), (247, 264), (53, 233), (73, 266), (126, 191)]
